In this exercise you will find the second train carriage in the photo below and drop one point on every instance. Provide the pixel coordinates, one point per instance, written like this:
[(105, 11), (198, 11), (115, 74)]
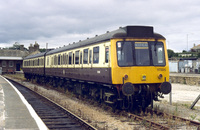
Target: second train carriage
[(127, 68)]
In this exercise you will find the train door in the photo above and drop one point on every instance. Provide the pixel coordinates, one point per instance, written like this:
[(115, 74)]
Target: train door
[(18, 67)]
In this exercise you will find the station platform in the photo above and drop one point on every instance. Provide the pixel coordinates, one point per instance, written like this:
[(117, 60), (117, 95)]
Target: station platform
[(15, 111)]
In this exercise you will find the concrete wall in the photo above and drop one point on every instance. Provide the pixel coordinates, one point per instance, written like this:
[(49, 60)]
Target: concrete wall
[(190, 79)]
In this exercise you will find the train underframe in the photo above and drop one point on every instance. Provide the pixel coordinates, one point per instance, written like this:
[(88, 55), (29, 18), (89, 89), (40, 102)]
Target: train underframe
[(113, 95)]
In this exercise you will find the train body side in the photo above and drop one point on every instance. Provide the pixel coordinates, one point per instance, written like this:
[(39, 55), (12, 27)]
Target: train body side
[(79, 67), (34, 65)]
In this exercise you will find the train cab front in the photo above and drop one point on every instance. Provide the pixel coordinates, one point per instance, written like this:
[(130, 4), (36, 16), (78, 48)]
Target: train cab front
[(141, 70)]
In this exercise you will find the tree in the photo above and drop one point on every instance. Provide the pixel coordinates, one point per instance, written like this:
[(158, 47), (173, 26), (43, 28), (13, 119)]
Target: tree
[(170, 53)]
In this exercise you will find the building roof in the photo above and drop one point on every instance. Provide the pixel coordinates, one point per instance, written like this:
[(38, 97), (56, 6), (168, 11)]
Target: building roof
[(13, 53), (10, 58), (196, 47)]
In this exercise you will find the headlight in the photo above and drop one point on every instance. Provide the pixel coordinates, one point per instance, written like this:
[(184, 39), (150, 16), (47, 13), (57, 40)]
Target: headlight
[(144, 77)]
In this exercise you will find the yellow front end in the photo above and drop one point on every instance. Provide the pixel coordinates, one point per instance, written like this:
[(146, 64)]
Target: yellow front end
[(138, 74)]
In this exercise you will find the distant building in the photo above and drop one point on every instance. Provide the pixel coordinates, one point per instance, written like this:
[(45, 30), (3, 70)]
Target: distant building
[(195, 48), (34, 48), (11, 60)]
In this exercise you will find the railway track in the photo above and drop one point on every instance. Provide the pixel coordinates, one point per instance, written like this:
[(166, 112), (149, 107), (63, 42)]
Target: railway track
[(148, 121), (174, 117), (164, 121), (52, 114)]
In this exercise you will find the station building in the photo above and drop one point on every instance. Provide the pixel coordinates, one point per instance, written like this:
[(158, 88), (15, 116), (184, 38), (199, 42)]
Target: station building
[(11, 60)]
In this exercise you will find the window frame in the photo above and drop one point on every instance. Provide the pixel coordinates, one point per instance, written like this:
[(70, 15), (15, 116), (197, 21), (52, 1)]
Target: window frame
[(11, 63)]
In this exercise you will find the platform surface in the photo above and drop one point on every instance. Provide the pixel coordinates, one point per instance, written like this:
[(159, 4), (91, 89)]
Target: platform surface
[(16, 114)]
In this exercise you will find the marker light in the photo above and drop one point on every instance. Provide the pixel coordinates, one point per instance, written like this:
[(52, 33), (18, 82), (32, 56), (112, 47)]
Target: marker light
[(160, 76), (125, 77)]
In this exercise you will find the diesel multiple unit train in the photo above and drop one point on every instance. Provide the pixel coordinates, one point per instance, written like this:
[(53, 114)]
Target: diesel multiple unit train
[(126, 68)]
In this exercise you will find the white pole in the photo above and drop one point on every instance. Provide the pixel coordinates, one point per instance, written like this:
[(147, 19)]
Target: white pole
[(170, 95)]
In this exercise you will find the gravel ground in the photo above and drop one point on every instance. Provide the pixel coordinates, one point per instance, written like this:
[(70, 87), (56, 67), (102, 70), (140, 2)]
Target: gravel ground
[(182, 97), (184, 94)]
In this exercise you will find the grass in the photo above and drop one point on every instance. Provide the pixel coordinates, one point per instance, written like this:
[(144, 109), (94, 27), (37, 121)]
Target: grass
[(17, 76), (193, 116)]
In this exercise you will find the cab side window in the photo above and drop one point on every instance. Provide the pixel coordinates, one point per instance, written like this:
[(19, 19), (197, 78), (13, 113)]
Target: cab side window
[(106, 54)]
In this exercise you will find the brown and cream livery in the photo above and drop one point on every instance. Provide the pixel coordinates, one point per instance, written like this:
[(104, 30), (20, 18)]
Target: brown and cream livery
[(127, 68)]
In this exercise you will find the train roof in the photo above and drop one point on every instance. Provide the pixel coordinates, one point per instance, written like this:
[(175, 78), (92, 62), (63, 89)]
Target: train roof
[(122, 32), (34, 56)]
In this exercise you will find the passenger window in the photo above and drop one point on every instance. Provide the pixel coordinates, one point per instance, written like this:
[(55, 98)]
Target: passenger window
[(63, 59), (77, 57), (67, 59), (48, 61), (106, 54), (58, 59), (73, 59), (90, 56), (70, 58), (81, 58), (96, 55), (54, 60), (85, 56)]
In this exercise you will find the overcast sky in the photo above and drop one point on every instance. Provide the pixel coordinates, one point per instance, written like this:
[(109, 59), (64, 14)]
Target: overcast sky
[(59, 22)]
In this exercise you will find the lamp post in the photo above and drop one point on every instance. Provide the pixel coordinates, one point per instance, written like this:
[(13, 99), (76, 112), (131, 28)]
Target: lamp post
[(188, 40)]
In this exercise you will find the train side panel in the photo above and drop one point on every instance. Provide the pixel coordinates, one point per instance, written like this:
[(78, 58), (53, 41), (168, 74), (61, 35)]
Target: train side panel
[(78, 67)]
